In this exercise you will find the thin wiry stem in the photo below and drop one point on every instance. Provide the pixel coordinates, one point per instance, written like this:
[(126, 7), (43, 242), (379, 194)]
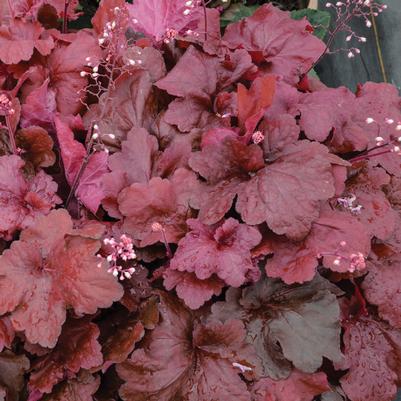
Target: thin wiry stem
[(65, 20), (11, 135)]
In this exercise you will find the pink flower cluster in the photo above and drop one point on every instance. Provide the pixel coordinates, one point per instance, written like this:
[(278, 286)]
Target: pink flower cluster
[(122, 250), (345, 11), (348, 203), (6, 106)]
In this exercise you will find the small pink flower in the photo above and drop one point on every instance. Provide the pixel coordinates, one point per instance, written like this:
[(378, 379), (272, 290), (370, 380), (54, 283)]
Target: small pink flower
[(122, 250), (257, 137)]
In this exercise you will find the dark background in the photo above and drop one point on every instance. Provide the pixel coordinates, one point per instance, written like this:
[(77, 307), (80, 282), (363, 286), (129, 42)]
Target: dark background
[(336, 70)]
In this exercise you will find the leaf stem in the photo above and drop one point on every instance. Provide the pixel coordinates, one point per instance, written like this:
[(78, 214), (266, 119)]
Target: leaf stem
[(81, 170), (205, 16), (65, 19), (10, 6), (11, 135), (366, 157)]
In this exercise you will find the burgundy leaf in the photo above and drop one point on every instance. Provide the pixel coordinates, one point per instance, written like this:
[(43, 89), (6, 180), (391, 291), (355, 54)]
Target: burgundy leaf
[(292, 262), (39, 107), (136, 156), (380, 102), (298, 387), (37, 146), (332, 109), (341, 240), (66, 63), (368, 349), (130, 104), (193, 291), (30, 8), (83, 388), (61, 269), (226, 163), (252, 103), (77, 348), (7, 333), (18, 41), (376, 213), (287, 193), (222, 249), (89, 187), (106, 13), (302, 319), (22, 199), (12, 370), (156, 17), (163, 201), (195, 361), (119, 345), (287, 46), (382, 287)]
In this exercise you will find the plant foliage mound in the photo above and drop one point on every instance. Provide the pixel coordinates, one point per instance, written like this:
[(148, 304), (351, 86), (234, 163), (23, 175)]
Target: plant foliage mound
[(186, 214)]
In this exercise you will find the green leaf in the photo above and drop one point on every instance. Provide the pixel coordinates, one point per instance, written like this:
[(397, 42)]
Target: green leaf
[(236, 12), (320, 20)]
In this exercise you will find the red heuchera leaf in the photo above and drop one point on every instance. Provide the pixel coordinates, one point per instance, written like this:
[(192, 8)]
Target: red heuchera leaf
[(206, 76), (122, 341), (381, 102), (73, 153), (223, 249), (271, 35), (23, 199), (29, 8), (369, 348), (200, 80), (332, 109), (131, 103), (131, 165), (77, 348), (193, 291), (303, 319), (298, 387), (286, 194), (83, 388), (199, 75), (336, 237), (156, 17), (292, 262), (162, 201), (106, 13), (382, 287), (37, 146), (252, 103), (61, 272), (393, 192), (12, 370), (18, 41), (190, 113), (136, 157), (279, 133), (225, 162), (66, 63), (148, 59), (176, 343), (285, 101), (7, 333), (89, 190), (376, 214), (39, 108)]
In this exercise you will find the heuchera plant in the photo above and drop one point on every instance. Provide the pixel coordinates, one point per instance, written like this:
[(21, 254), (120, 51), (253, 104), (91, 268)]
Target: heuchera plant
[(187, 215)]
